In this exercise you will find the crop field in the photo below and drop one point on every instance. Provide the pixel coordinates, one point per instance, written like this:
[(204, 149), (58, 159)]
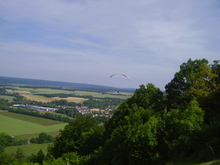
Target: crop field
[(9, 98), (13, 126)]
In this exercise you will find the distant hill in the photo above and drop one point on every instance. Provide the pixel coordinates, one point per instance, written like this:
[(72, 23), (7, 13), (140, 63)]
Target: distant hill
[(36, 82)]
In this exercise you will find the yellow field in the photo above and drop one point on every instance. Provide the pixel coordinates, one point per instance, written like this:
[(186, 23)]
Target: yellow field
[(49, 99), (95, 109)]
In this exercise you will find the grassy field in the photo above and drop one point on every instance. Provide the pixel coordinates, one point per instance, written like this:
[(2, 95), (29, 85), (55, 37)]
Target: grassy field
[(36, 120), (9, 98), (13, 126), (49, 99), (28, 149)]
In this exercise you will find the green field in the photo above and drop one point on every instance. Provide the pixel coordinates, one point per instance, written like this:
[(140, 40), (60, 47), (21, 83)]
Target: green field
[(13, 126), (9, 98), (32, 119), (28, 149)]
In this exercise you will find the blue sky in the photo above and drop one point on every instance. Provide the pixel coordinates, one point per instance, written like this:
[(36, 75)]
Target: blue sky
[(86, 41)]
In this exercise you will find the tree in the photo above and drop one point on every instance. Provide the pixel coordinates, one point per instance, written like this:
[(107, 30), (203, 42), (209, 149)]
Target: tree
[(176, 129), (147, 97), (82, 135), (42, 138), (19, 154), (40, 157), (6, 158), (181, 82), (132, 131)]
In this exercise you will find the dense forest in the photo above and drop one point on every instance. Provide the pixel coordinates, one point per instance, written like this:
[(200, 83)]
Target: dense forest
[(152, 127)]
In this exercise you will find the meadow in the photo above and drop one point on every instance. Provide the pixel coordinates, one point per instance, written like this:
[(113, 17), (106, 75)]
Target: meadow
[(15, 126)]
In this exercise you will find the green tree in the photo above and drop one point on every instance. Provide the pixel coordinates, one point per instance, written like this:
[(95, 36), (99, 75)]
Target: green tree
[(42, 138), (147, 97), (6, 158), (40, 157), (176, 129), (181, 82), (82, 135), (132, 130), (19, 154)]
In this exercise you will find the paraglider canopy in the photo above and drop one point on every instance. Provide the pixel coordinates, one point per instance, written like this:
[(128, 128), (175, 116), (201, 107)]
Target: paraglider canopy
[(120, 75)]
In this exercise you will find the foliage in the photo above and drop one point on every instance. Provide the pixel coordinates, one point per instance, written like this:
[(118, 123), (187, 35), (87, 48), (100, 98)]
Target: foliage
[(102, 103), (196, 79), (181, 82), (71, 112), (82, 135), (42, 138), (4, 104)]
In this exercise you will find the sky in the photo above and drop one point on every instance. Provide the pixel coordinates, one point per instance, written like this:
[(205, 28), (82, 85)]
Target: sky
[(86, 41)]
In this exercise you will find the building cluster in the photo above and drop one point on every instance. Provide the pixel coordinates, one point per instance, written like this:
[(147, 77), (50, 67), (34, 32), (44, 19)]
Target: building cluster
[(85, 110), (38, 108)]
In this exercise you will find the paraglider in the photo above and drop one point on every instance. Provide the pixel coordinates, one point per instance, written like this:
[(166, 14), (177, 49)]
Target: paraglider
[(121, 75)]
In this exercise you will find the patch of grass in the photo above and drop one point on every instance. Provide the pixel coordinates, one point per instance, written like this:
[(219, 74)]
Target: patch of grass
[(28, 149), (9, 98), (14, 127), (32, 119)]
